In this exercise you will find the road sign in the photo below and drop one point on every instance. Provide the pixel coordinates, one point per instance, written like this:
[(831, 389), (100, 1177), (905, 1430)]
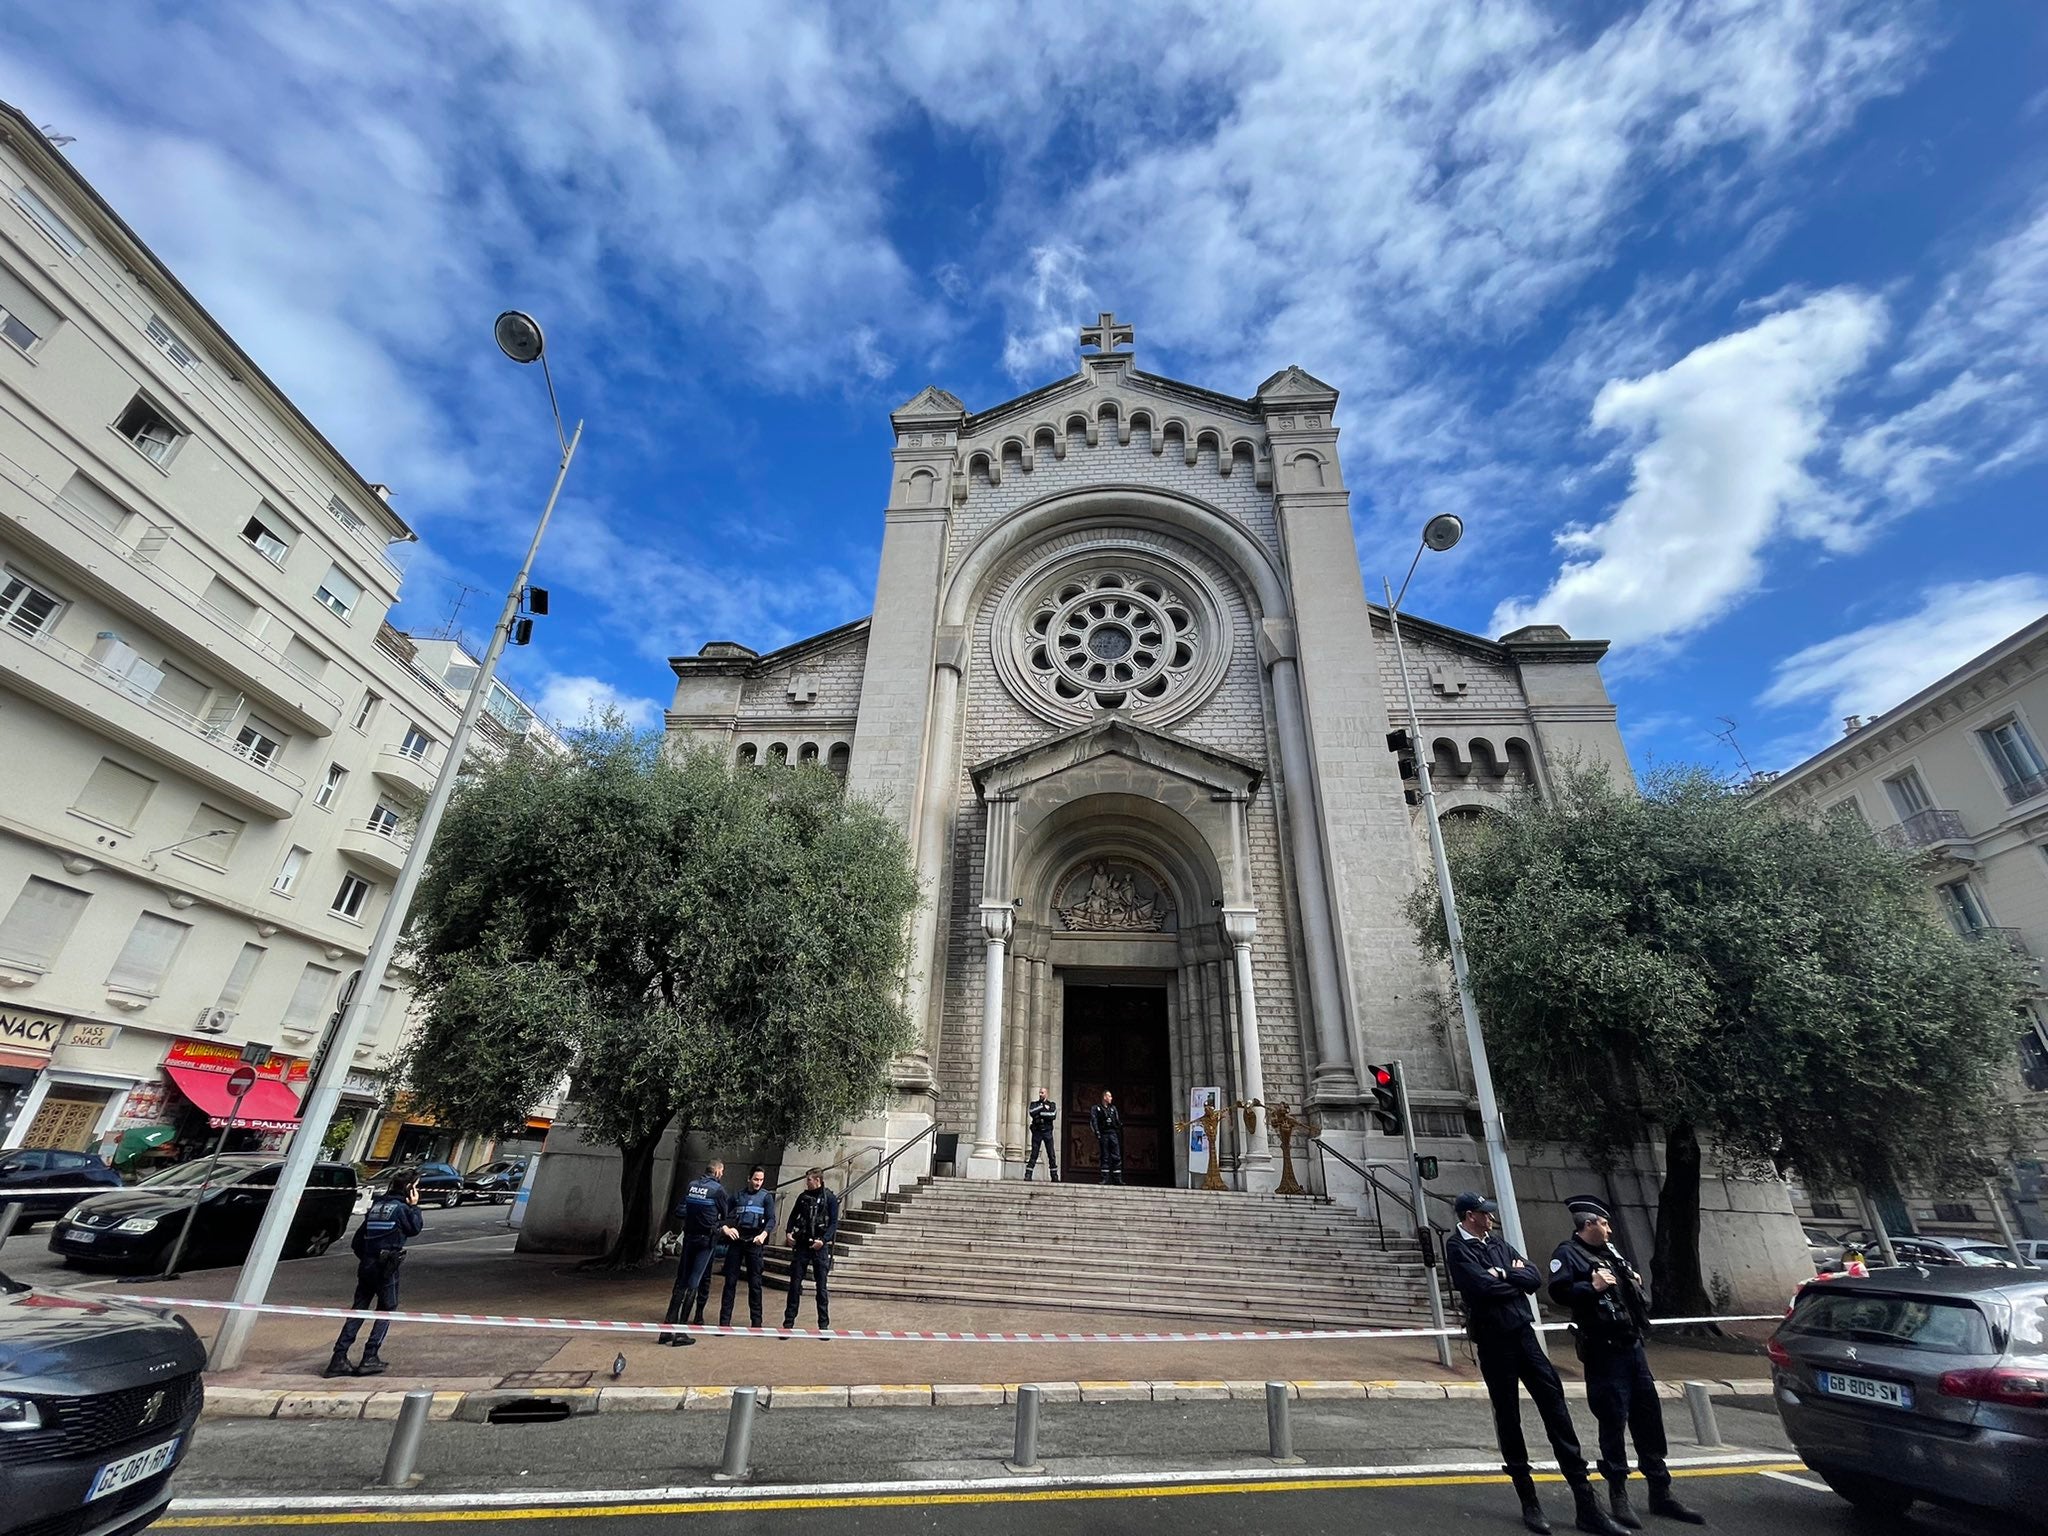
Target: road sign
[(240, 1081)]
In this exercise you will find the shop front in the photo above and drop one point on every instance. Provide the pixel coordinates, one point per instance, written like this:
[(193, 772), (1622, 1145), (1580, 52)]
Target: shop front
[(27, 1039), (199, 1105), (410, 1134), (356, 1120)]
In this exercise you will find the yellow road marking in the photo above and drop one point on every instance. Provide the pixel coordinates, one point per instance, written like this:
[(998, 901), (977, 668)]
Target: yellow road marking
[(896, 1500)]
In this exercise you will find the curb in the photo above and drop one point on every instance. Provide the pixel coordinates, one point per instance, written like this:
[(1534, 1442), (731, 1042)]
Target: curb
[(474, 1406)]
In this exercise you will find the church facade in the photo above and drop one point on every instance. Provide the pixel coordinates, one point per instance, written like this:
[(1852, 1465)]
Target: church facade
[(1125, 692)]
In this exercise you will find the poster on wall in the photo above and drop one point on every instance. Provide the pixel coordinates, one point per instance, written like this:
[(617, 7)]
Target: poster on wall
[(1200, 1102)]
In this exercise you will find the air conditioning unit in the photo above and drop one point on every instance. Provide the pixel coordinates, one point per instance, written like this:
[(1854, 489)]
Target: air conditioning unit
[(215, 1021)]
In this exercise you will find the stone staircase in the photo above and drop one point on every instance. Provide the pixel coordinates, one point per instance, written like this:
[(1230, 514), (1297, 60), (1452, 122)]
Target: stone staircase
[(1189, 1258)]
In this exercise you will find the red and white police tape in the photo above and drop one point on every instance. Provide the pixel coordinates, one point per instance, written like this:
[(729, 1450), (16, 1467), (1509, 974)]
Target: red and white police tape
[(858, 1335)]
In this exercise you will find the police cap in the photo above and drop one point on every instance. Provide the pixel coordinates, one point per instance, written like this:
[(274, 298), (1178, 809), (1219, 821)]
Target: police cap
[(1585, 1208), (1471, 1201)]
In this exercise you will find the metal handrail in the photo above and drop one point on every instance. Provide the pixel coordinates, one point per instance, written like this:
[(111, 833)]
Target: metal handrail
[(882, 1166), (1372, 1177)]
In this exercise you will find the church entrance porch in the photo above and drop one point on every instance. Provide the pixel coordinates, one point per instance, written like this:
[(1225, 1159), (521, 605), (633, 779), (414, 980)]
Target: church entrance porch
[(1115, 1037)]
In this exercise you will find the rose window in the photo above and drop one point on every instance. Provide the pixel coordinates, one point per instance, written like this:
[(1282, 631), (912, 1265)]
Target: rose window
[(1112, 640)]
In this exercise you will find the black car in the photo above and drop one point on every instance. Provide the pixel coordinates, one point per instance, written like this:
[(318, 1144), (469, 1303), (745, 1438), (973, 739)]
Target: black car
[(97, 1406), (440, 1184), (28, 1171), (495, 1182), (1918, 1383), (134, 1229)]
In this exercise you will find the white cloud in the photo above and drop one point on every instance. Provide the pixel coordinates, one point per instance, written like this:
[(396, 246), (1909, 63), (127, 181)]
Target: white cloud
[(1719, 447), (571, 700), (1881, 665)]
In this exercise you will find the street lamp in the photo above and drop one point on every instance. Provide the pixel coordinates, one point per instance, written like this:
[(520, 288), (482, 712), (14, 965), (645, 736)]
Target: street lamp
[(519, 338), (1443, 531)]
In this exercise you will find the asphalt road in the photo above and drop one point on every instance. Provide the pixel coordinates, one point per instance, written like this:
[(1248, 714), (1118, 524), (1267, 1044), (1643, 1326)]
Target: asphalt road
[(27, 1257), (1775, 1503)]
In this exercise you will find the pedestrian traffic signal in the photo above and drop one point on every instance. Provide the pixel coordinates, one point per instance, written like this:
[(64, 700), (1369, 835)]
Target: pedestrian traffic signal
[(1402, 745), (1425, 1168), (1386, 1099)]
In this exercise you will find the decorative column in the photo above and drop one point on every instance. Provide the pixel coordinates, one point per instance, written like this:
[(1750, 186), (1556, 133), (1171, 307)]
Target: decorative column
[(1239, 924), (1335, 1078), (985, 1161)]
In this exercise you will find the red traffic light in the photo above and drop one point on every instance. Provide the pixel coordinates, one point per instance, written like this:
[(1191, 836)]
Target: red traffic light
[(1382, 1076)]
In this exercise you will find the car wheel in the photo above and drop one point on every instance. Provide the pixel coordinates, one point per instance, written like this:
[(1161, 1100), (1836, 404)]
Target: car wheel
[(450, 1200), (1871, 1495), (501, 1199)]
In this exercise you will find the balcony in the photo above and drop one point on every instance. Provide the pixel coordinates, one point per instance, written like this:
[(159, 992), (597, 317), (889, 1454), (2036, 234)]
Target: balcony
[(409, 771), (383, 849), (73, 684), (1937, 831), (137, 580), (2033, 784)]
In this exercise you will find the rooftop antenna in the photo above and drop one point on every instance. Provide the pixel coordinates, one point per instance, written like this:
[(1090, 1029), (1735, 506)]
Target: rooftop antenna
[(1734, 745), (451, 628), (57, 140)]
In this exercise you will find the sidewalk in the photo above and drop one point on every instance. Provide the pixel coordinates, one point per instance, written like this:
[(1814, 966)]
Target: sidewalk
[(484, 1276)]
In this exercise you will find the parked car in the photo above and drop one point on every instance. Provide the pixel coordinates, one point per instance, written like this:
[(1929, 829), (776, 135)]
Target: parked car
[(97, 1406), (1825, 1251), (28, 1170), (134, 1229), (2035, 1249), (1974, 1251), (1906, 1385), (440, 1184), (496, 1182)]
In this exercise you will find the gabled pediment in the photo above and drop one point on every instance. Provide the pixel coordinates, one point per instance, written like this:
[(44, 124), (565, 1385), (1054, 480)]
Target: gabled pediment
[(1295, 386), (1114, 733), (929, 404)]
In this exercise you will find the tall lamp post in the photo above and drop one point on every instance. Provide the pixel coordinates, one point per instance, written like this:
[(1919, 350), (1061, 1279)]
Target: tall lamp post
[(1440, 534), (519, 337)]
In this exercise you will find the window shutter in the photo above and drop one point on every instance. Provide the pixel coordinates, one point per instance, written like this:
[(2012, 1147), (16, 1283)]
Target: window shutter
[(310, 997), (39, 922), (214, 850), (114, 795), (19, 300), (147, 955), (236, 987)]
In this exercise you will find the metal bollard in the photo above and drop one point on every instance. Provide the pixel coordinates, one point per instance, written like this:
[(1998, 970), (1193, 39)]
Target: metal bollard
[(1279, 1426), (1024, 1454), (1704, 1429), (405, 1441), (739, 1436), (10, 1213)]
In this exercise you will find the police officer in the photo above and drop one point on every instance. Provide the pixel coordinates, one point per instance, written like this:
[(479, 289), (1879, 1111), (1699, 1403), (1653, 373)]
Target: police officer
[(1495, 1283), (1107, 1122), (753, 1217), (813, 1226), (379, 1246), (704, 1212), (1044, 1116), (1611, 1317)]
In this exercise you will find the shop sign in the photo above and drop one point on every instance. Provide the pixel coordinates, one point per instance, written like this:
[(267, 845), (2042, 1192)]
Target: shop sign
[(92, 1037), (21, 1030), (205, 1056), (359, 1084)]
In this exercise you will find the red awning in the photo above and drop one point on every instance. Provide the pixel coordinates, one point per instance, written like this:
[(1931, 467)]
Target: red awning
[(269, 1106)]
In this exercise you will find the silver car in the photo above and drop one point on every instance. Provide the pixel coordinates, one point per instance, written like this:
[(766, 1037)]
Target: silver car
[(1917, 1383)]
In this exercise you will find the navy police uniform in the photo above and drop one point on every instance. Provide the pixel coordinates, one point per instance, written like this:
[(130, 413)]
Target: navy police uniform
[(1609, 1324), (1044, 1116), (379, 1246), (753, 1213), (813, 1228), (704, 1212), (1495, 1283), (1107, 1122)]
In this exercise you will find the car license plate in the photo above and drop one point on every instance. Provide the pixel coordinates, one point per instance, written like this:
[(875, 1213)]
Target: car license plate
[(1886, 1394), (82, 1237), (116, 1475)]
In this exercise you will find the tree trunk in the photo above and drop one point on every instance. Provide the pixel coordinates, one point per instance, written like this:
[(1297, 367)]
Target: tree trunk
[(636, 1198), (1676, 1285)]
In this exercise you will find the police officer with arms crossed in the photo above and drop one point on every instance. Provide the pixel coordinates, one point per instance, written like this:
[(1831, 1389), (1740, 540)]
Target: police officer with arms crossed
[(1107, 1122), (753, 1217), (704, 1211), (1044, 1115), (1611, 1317), (1496, 1283)]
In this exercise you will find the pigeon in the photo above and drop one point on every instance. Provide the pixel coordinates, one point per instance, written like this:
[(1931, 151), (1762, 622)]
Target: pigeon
[(619, 1366)]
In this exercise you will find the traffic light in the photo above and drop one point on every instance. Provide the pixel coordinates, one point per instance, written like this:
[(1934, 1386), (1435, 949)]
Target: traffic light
[(1402, 745), (1425, 1168), (522, 631), (1386, 1099), (532, 600)]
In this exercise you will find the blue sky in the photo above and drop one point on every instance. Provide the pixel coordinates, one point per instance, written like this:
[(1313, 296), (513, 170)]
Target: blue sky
[(1724, 326)]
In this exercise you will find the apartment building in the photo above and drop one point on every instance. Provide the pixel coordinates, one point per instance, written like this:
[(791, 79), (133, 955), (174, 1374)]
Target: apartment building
[(213, 739), (1957, 774)]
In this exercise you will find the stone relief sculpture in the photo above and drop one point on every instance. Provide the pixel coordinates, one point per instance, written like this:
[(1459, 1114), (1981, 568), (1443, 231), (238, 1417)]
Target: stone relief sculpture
[(1114, 899)]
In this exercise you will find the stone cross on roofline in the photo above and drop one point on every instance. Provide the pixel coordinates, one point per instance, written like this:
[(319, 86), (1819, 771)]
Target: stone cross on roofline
[(1105, 335)]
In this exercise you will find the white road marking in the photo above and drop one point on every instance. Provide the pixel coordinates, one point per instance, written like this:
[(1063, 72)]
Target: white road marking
[(1799, 1482)]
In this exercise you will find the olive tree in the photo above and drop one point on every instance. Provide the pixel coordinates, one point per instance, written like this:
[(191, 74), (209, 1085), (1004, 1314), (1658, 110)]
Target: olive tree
[(677, 937), (1776, 987)]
